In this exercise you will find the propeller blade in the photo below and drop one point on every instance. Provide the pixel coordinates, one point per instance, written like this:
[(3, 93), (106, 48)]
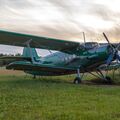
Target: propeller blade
[(106, 37), (107, 40)]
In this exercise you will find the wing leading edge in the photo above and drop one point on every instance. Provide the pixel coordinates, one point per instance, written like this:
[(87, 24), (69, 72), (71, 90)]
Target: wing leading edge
[(19, 39)]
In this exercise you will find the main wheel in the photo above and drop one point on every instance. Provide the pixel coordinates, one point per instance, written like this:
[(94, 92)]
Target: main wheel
[(77, 80), (34, 76), (108, 80)]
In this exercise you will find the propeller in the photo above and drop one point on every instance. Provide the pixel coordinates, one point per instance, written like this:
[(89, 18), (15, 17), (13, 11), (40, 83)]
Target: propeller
[(114, 54)]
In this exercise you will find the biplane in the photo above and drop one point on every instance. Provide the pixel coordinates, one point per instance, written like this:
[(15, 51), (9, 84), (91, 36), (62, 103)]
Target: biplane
[(71, 57)]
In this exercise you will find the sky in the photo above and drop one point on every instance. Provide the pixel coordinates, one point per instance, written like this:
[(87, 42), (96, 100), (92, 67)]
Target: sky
[(63, 19)]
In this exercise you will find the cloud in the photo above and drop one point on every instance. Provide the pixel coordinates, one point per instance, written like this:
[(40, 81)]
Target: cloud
[(63, 19), (21, 4)]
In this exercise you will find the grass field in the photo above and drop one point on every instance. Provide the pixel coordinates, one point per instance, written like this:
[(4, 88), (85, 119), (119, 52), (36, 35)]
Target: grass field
[(56, 98)]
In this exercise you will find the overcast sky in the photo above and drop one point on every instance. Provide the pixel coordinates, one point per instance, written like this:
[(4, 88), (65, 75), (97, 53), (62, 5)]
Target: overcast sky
[(63, 19)]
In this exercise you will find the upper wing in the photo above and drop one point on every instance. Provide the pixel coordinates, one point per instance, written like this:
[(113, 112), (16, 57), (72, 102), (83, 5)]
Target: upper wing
[(18, 39)]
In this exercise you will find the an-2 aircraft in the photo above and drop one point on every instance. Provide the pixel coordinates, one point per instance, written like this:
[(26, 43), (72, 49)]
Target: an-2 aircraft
[(72, 57)]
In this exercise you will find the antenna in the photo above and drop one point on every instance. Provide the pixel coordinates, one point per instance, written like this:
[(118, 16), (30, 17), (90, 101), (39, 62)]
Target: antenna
[(84, 37)]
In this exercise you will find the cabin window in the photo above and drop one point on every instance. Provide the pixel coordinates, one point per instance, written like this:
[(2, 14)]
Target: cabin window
[(101, 49)]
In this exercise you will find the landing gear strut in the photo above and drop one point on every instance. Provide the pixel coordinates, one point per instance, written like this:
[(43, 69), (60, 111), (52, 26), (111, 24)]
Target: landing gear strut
[(105, 78), (77, 80)]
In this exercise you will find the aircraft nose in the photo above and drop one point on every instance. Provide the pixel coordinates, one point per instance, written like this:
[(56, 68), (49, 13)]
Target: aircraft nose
[(118, 56)]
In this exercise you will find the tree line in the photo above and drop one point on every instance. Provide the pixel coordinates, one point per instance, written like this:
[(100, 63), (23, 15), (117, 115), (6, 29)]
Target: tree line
[(17, 54), (4, 62)]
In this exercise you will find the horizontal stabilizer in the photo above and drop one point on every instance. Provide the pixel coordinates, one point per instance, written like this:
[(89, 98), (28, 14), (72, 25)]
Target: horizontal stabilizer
[(14, 58)]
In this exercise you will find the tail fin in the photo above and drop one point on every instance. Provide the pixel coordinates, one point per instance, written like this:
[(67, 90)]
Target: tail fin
[(27, 53)]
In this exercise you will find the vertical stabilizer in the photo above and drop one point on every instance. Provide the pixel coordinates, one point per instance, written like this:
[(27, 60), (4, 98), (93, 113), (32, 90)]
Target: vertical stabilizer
[(27, 52)]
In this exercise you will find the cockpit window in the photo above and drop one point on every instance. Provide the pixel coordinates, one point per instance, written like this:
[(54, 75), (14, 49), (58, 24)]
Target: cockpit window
[(91, 45)]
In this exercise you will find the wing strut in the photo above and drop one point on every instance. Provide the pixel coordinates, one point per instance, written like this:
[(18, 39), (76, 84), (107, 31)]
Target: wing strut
[(28, 45)]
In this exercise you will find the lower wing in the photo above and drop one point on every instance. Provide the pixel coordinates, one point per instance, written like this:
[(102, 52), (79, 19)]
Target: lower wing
[(114, 65), (28, 66)]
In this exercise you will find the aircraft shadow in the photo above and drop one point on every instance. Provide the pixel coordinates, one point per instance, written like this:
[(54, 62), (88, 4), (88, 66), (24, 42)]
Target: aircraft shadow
[(100, 82), (28, 81)]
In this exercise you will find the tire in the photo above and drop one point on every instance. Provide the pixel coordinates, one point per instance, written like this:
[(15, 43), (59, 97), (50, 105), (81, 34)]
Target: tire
[(108, 80), (77, 80)]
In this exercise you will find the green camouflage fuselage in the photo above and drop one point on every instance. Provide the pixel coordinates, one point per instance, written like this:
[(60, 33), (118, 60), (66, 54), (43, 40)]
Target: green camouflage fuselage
[(61, 63)]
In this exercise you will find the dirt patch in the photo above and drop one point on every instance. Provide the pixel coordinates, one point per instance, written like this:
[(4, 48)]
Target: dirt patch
[(10, 72)]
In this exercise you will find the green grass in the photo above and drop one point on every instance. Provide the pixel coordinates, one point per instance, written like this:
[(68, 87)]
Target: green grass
[(56, 98)]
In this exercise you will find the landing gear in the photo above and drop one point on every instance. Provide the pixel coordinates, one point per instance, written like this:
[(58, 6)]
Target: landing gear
[(34, 76), (77, 80), (108, 80)]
